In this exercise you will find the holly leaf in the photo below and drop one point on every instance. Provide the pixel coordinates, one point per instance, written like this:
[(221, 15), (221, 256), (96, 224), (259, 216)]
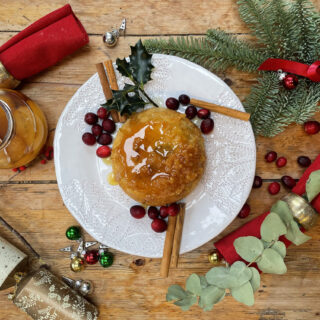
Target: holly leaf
[(272, 227), (244, 294), (272, 262), (210, 296), (295, 235), (176, 292), (255, 280), (282, 209), (123, 67), (193, 284), (248, 248), (313, 185)]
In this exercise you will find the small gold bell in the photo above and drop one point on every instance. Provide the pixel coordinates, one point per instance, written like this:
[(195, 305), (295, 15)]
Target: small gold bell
[(77, 264), (214, 257)]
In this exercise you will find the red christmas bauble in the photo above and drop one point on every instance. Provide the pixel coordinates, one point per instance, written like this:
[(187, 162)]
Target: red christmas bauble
[(92, 256), (290, 81)]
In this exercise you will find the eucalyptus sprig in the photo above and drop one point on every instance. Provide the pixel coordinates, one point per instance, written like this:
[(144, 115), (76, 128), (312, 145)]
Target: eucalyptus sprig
[(138, 69)]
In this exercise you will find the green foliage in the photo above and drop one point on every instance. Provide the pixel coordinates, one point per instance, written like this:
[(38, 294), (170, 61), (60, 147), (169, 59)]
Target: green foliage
[(284, 29), (248, 248), (271, 262), (313, 185), (272, 228)]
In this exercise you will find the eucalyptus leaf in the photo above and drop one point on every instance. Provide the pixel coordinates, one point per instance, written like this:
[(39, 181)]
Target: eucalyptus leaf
[(210, 296), (186, 302), (295, 235), (255, 280), (193, 284), (272, 227), (272, 262), (248, 248), (265, 244), (282, 209), (244, 294), (175, 292), (203, 282), (313, 185), (280, 247)]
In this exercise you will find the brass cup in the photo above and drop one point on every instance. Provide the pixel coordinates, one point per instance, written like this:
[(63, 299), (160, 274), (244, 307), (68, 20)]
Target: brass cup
[(301, 210)]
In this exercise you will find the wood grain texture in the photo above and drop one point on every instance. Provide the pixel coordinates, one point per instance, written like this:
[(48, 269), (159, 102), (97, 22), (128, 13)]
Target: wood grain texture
[(132, 288)]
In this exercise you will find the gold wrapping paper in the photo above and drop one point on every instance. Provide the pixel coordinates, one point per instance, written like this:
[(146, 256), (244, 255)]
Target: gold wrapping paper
[(43, 296)]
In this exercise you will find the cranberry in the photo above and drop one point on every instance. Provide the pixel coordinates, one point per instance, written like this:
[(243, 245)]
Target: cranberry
[(245, 211), (105, 139), (274, 188), (257, 182), (164, 212), (22, 168), (172, 103), (203, 113), (173, 209), (304, 161), (158, 225), (137, 211), (89, 139), (184, 99), (312, 127), (43, 161), (103, 152), (191, 112), (108, 125), (281, 162), (15, 169), (153, 212), (102, 113), (96, 130), (271, 156), (288, 182), (207, 125), (91, 118)]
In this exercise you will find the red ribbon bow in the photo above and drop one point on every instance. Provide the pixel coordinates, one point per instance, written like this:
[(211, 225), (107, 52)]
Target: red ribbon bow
[(311, 72)]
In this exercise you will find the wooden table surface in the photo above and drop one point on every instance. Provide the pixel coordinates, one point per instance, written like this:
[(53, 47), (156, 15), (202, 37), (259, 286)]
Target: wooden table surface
[(132, 288)]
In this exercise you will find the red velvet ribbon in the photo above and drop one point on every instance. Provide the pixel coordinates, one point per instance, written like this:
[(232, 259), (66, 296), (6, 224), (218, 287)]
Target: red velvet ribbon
[(311, 72)]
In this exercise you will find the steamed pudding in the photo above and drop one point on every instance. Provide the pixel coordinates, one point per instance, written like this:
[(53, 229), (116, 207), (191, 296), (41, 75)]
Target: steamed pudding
[(158, 156)]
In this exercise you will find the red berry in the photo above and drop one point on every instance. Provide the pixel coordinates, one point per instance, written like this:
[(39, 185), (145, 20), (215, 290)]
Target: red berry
[(103, 152), (274, 188), (15, 169), (96, 130), (91, 118), (191, 112), (108, 125), (288, 182), (43, 161), (89, 139), (257, 182), (290, 81), (102, 113), (207, 125), (153, 212), (92, 256), (172, 103), (158, 225), (312, 127), (163, 212), (281, 162), (137, 211), (203, 114), (184, 99), (22, 168), (271, 156), (173, 209), (245, 211), (304, 161), (105, 139)]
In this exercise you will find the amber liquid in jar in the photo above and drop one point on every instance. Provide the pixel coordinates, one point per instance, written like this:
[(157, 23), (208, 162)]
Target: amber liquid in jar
[(23, 129)]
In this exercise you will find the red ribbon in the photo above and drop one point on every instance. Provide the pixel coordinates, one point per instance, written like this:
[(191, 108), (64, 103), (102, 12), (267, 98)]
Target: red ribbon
[(308, 71)]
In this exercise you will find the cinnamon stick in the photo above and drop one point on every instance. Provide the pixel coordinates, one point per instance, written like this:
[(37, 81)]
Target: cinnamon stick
[(113, 84), (167, 250), (106, 88), (178, 236), (223, 110)]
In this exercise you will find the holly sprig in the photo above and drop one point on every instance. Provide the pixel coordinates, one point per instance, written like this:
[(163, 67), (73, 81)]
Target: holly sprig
[(239, 279), (138, 69)]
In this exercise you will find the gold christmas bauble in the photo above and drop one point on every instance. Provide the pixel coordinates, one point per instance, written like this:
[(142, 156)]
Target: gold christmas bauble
[(214, 257), (77, 264)]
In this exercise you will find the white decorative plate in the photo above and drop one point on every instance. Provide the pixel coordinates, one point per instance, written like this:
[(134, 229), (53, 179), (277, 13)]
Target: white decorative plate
[(103, 210)]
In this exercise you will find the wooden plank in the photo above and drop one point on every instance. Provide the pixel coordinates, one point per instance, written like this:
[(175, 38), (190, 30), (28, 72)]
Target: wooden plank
[(140, 280)]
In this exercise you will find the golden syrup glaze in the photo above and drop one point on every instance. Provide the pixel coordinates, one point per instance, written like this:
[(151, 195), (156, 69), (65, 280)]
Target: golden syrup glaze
[(158, 156)]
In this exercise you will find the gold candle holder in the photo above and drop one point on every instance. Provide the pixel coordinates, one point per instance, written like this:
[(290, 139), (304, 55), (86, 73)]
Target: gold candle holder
[(7, 80), (301, 210)]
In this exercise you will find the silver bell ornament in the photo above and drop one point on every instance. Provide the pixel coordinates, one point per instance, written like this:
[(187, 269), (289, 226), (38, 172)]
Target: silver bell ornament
[(110, 38), (86, 288)]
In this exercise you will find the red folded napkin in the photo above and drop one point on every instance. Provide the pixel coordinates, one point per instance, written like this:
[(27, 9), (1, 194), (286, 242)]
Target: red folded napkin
[(43, 43), (252, 228)]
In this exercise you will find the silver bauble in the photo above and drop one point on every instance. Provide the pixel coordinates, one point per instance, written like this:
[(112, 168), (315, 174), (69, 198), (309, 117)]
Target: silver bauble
[(110, 39), (77, 284), (86, 288)]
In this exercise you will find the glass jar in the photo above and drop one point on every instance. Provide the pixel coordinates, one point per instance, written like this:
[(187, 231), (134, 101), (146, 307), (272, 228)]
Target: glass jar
[(23, 129)]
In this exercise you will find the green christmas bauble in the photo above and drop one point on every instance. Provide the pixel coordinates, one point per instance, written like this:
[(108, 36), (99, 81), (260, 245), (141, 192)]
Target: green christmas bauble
[(106, 259), (73, 233)]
